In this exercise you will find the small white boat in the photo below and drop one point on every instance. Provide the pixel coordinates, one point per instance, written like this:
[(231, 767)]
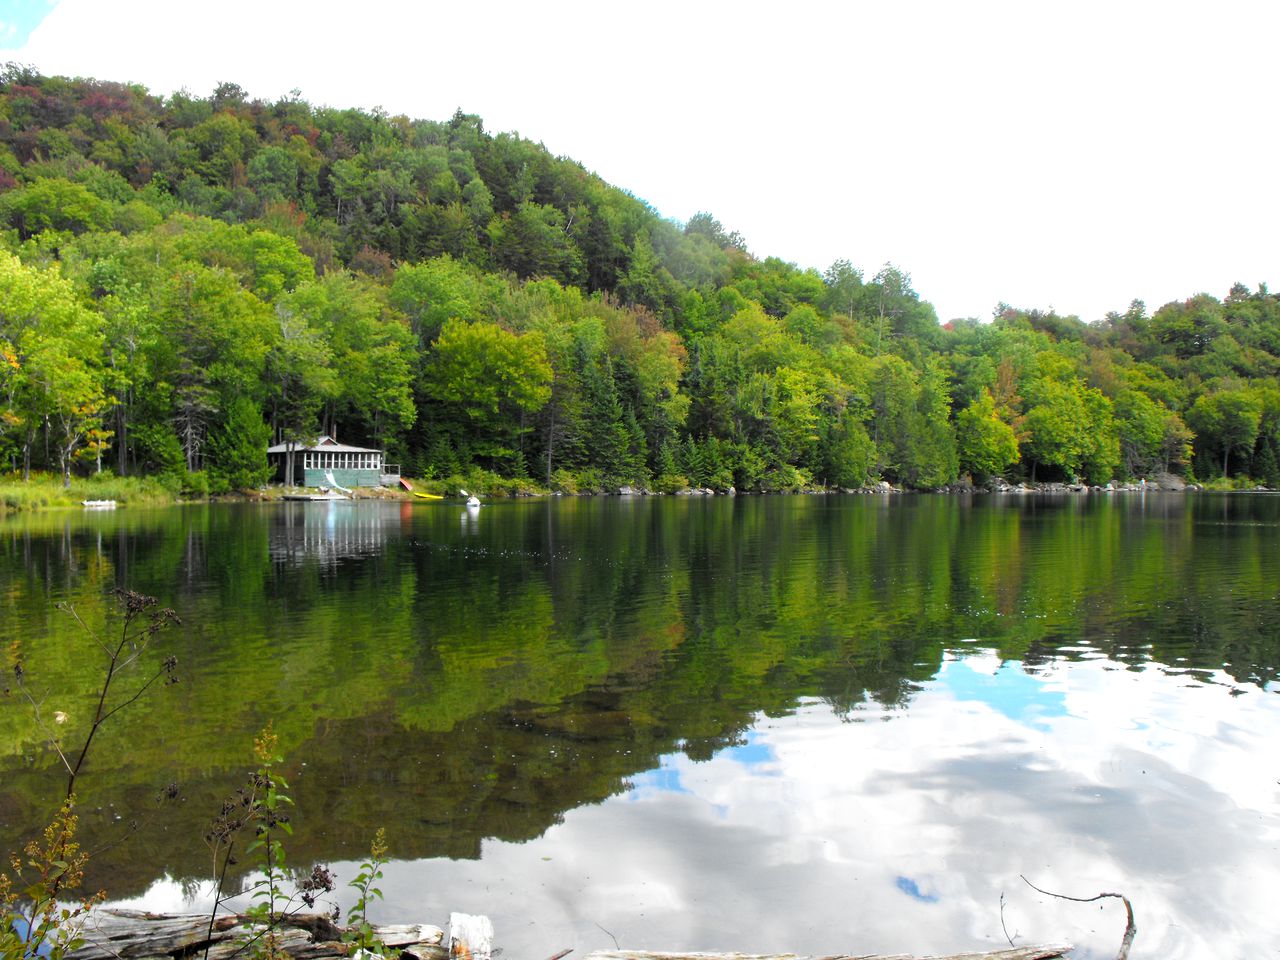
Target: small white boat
[(98, 504), (472, 499)]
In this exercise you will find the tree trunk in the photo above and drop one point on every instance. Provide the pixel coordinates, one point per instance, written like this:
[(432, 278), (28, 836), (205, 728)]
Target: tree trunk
[(551, 439), (122, 440), (26, 454)]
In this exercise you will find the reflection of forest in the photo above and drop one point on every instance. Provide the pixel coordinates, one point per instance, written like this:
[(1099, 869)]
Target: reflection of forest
[(455, 681)]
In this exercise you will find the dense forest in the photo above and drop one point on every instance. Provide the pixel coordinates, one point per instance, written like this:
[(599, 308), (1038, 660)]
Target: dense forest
[(185, 279)]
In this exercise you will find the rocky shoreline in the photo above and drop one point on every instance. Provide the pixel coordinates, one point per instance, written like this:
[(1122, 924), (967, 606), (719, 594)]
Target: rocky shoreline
[(1161, 483)]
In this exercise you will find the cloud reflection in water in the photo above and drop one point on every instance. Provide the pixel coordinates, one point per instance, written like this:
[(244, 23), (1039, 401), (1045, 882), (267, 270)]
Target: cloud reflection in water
[(819, 834), (807, 838)]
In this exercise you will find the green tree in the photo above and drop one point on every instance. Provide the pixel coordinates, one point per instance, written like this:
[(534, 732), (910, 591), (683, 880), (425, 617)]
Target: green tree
[(273, 174), (299, 366), (493, 378), (54, 204), (986, 444), (913, 436), (1152, 437), (1227, 419), (52, 348), (849, 454), (353, 353), (434, 291), (238, 450), (531, 241)]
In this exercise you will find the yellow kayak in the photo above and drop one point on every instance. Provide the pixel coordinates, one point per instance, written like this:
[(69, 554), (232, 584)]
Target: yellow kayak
[(427, 496)]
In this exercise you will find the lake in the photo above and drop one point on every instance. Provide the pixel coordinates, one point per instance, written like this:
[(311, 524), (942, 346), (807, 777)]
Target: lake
[(844, 723)]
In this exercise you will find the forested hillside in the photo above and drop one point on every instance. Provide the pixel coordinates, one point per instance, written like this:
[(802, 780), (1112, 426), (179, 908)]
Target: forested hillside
[(186, 279)]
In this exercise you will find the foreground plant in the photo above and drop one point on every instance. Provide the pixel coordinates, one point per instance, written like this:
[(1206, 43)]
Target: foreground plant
[(36, 915), (39, 921), (361, 933), (260, 807)]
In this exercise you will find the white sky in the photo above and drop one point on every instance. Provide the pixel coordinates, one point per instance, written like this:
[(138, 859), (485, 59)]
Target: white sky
[(1067, 155)]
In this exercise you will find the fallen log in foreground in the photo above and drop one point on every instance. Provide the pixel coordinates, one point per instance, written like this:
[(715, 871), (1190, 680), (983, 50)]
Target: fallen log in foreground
[(137, 935), (1049, 952)]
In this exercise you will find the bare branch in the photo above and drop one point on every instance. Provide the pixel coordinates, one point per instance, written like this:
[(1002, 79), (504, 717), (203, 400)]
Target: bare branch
[(1002, 926), (141, 690), (1130, 928), (611, 937), (50, 737), (70, 608)]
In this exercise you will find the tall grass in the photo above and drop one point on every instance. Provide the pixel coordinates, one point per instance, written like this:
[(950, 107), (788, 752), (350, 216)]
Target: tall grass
[(46, 490)]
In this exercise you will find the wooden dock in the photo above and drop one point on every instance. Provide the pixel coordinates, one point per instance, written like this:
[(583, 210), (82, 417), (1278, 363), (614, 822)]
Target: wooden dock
[(137, 935)]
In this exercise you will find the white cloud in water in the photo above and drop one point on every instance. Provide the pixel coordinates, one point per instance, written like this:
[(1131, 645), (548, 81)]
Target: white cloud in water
[(1052, 154), (890, 831)]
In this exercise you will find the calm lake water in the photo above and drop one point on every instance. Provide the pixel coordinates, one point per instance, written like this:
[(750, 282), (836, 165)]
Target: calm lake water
[(766, 723)]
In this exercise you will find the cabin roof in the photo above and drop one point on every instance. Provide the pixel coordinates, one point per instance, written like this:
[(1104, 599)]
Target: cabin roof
[(325, 444)]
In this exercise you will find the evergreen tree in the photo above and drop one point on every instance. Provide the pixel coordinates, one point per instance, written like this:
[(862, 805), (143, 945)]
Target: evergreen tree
[(238, 451)]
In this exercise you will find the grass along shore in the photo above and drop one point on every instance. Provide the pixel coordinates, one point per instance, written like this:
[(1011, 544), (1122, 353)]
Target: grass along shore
[(46, 490)]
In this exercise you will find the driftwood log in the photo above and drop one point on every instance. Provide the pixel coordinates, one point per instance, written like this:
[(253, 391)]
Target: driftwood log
[(1049, 952), (137, 935)]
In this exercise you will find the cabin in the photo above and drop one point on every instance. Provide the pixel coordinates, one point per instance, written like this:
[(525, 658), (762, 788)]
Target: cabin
[(328, 463)]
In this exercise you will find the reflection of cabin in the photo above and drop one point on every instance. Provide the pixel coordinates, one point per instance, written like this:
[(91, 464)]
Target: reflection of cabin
[(329, 463), (331, 532)]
